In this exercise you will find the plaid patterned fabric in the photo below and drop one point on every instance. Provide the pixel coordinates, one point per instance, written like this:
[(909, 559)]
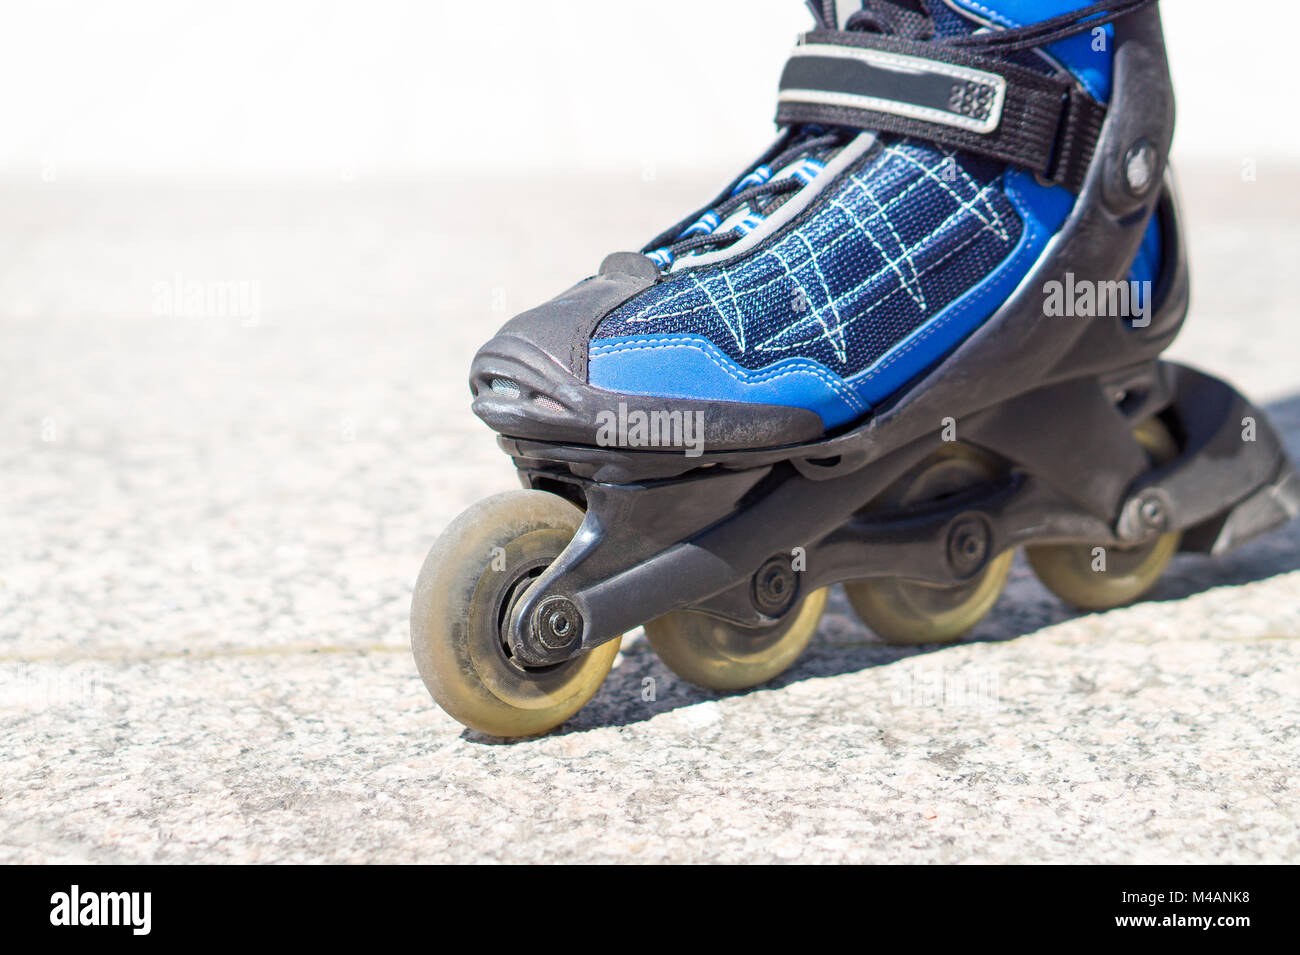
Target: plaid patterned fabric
[(905, 232)]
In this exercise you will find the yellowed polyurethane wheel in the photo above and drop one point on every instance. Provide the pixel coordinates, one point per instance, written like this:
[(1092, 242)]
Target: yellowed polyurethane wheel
[(483, 561), (1092, 577), (909, 612), (722, 656)]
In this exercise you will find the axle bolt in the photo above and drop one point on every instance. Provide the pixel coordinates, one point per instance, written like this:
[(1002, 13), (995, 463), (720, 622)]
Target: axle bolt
[(557, 623), (968, 546), (1149, 512), (1153, 515), (775, 586)]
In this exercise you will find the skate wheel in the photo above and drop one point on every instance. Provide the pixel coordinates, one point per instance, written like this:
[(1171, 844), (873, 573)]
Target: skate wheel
[(482, 562), (722, 656), (1074, 572), (906, 612)]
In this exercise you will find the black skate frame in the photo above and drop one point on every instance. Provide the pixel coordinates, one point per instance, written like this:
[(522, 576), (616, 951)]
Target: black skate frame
[(1056, 407)]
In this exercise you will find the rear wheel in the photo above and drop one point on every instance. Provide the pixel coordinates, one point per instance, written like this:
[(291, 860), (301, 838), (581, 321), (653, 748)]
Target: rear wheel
[(1097, 577)]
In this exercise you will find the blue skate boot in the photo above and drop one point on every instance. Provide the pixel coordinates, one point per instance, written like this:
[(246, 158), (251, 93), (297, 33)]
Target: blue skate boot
[(930, 152), (921, 330)]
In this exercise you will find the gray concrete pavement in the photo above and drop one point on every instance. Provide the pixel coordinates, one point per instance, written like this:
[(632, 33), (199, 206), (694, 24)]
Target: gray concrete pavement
[(235, 417)]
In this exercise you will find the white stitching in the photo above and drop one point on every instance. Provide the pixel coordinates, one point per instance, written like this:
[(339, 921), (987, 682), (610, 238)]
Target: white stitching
[(793, 367), (643, 316), (913, 288), (834, 334), (737, 334), (955, 219), (996, 225), (925, 331), (836, 341), (893, 61), (874, 305)]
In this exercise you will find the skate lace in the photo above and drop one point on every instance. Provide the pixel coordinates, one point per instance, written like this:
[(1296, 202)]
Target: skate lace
[(756, 193), (907, 19), (760, 192)]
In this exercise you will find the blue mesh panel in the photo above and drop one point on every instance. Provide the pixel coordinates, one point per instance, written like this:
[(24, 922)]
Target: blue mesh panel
[(904, 233)]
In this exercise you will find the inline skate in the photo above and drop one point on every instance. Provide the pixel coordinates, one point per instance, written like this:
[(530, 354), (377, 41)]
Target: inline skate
[(923, 329)]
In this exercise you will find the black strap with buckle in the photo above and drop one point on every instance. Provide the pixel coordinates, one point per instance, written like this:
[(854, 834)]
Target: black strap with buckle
[(945, 95)]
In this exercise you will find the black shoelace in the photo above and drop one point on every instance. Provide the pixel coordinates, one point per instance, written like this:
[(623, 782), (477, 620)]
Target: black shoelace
[(762, 198)]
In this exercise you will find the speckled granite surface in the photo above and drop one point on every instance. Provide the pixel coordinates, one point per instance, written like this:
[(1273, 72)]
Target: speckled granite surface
[(211, 514)]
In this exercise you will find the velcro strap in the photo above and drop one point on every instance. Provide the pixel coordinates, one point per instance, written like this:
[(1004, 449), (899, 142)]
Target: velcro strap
[(943, 95)]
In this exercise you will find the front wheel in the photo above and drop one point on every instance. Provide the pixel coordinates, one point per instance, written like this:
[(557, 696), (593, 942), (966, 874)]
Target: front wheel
[(473, 574)]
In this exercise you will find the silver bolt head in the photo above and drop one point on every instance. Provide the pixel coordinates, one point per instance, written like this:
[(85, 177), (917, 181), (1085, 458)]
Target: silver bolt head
[(1140, 168), (1152, 512)]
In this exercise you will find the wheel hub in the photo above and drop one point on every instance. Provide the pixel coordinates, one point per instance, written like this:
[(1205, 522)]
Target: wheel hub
[(557, 623), (969, 543), (775, 587)]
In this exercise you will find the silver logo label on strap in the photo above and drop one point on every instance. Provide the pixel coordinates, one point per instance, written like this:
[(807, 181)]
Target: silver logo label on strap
[(910, 86)]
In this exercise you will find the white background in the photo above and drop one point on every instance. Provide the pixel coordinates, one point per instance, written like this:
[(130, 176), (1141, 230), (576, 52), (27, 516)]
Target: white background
[(235, 89)]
